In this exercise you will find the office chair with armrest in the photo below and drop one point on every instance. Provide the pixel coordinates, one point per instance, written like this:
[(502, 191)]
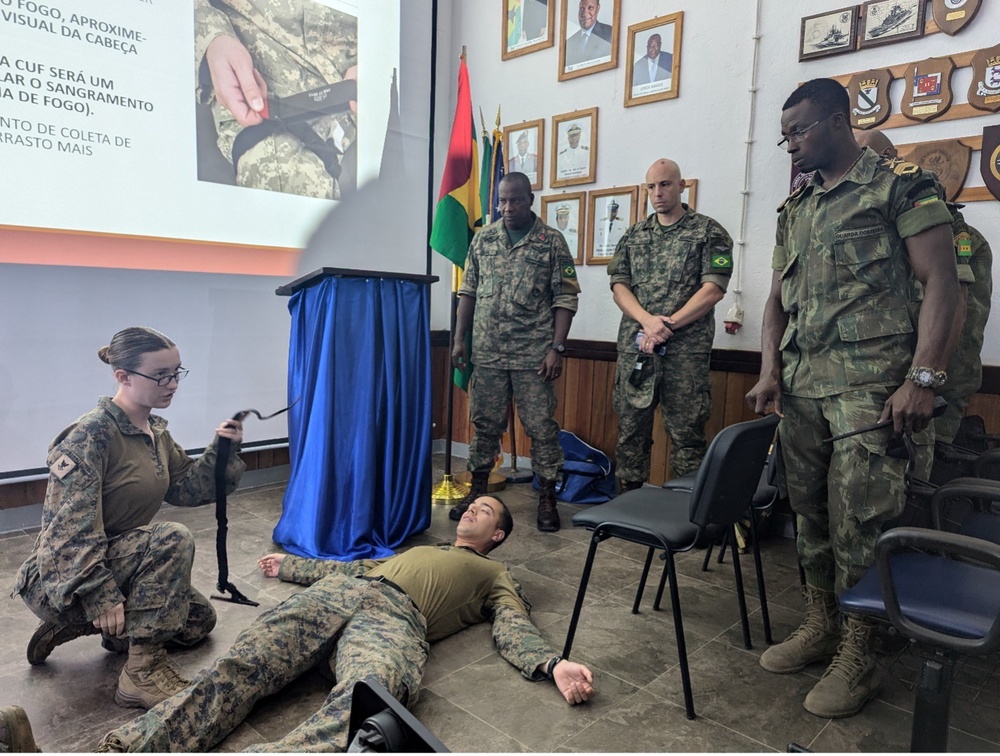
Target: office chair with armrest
[(677, 521)]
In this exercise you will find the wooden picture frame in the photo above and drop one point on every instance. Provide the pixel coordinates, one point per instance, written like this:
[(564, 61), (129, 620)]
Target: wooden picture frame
[(574, 148), (570, 210), (828, 33), (580, 54), (881, 25), (653, 82), (609, 220), (532, 134), (520, 29), (689, 197)]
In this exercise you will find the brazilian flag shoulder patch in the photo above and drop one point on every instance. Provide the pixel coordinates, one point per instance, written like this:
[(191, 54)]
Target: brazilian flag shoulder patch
[(963, 244), (569, 271), (722, 261)]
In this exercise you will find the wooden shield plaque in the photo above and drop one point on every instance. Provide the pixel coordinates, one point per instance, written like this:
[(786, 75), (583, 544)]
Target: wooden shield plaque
[(948, 159), (927, 93), (984, 92), (869, 93), (953, 15), (989, 164)]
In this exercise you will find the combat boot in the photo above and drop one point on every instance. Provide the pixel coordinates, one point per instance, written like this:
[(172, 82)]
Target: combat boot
[(15, 731), (814, 640), (624, 486), (480, 482), (853, 678), (548, 515), (48, 635), (114, 644), (147, 678)]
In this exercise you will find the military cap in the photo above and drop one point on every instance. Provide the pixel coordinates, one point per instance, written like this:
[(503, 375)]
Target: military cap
[(523, 135), (562, 210), (574, 129)]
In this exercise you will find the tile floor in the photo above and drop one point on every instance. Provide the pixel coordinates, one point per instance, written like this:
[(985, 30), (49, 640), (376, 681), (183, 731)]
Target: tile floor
[(474, 701)]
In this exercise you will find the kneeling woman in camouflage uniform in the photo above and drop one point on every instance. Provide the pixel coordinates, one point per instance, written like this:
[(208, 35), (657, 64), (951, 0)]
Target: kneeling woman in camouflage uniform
[(100, 565)]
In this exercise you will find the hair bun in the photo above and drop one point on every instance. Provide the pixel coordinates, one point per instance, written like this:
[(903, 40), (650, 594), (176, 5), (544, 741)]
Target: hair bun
[(103, 354)]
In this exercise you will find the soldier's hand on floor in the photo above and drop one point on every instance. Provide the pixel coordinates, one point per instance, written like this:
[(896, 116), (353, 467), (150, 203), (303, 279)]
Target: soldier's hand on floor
[(112, 621), (910, 407), (236, 82), (574, 681), (270, 564)]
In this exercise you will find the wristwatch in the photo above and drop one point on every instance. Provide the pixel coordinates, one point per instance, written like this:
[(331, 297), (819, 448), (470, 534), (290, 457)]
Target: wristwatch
[(558, 348), (551, 666), (926, 377)]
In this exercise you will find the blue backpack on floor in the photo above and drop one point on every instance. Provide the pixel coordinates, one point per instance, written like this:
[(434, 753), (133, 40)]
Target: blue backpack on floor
[(587, 474)]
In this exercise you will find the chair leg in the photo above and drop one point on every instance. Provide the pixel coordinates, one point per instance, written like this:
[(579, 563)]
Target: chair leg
[(642, 580), (675, 602), (931, 710), (581, 592), (727, 540), (708, 556), (662, 585), (741, 595), (758, 565)]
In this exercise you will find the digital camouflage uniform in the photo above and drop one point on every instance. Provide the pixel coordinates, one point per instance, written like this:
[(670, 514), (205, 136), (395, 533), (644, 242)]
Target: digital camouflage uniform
[(357, 628), (848, 290), (296, 45), (516, 290), (98, 546), (965, 368), (665, 266)]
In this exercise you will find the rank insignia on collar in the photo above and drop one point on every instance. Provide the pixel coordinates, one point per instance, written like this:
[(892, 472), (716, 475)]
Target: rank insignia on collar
[(722, 262), (62, 467)]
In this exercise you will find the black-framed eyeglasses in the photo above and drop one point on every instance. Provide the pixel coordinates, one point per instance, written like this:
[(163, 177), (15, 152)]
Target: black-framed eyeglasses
[(164, 380), (799, 134)]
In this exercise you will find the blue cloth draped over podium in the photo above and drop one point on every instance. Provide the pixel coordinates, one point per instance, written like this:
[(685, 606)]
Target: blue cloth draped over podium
[(360, 435)]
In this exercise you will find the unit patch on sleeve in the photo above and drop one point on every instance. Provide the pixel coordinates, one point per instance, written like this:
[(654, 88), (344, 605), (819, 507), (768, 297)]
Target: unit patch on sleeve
[(722, 261), (62, 467)]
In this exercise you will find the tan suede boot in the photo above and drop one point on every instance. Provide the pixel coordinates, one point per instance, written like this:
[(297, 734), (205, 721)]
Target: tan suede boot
[(148, 677), (15, 731), (480, 482), (48, 635), (853, 678), (813, 641)]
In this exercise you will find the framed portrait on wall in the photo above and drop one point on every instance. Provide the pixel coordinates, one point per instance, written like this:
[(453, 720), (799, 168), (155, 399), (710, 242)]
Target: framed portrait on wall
[(526, 26), (567, 213), (588, 40), (885, 21), (654, 60), (828, 33), (523, 145), (689, 197), (611, 212), (574, 148)]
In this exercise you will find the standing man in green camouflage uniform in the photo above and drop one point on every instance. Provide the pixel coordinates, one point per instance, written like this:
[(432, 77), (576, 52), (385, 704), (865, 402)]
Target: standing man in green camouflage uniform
[(518, 296), (368, 617), (668, 273), (975, 272), (842, 347), (246, 50)]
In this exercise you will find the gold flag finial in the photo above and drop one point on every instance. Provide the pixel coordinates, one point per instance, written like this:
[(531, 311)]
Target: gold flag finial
[(482, 121), (498, 116)]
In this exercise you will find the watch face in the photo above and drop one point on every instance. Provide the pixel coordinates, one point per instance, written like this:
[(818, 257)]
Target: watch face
[(925, 376)]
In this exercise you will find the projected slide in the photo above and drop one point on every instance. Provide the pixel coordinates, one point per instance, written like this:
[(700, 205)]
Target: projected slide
[(221, 121)]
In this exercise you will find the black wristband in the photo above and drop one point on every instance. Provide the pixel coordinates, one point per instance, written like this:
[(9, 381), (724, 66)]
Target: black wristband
[(552, 665)]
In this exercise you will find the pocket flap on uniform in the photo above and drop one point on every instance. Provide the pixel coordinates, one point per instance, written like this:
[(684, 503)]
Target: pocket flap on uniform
[(872, 324)]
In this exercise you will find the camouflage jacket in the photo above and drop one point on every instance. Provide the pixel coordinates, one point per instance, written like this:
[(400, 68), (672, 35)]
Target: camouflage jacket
[(516, 289), (500, 600), (296, 45), (664, 266), (106, 476), (975, 266), (846, 281)]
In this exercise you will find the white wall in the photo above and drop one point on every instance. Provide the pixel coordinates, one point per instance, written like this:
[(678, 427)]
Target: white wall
[(704, 129)]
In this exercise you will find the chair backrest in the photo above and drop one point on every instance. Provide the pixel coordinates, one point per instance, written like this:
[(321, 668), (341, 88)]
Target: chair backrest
[(730, 472)]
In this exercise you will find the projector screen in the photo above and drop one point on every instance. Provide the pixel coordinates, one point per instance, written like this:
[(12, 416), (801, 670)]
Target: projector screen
[(120, 204)]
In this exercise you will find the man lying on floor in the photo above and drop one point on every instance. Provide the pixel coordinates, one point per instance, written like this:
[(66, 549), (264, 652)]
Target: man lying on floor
[(367, 617)]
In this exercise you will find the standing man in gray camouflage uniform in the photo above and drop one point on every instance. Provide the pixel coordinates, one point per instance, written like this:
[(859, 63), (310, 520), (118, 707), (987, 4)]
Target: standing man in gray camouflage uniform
[(518, 296), (842, 348), (246, 50), (368, 617), (668, 273)]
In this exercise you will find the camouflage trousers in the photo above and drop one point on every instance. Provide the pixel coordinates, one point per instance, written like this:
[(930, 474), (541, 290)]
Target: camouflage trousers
[(152, 568), (946, 426), (841, 493), (680, 385), (490, 392), (358, 627)]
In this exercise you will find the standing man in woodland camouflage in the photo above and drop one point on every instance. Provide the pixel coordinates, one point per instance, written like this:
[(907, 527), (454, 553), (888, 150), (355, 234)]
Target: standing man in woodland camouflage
[(668, 273), (248, 50), (842, 348), (518, 297), (367, 617)]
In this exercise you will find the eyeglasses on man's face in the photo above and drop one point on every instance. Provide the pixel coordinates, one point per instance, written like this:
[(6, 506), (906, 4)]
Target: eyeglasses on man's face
[(164, 380), (799, 134)]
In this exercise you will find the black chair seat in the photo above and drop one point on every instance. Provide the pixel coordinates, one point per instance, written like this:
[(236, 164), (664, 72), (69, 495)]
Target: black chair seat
[(683, 483), (951, 597)]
